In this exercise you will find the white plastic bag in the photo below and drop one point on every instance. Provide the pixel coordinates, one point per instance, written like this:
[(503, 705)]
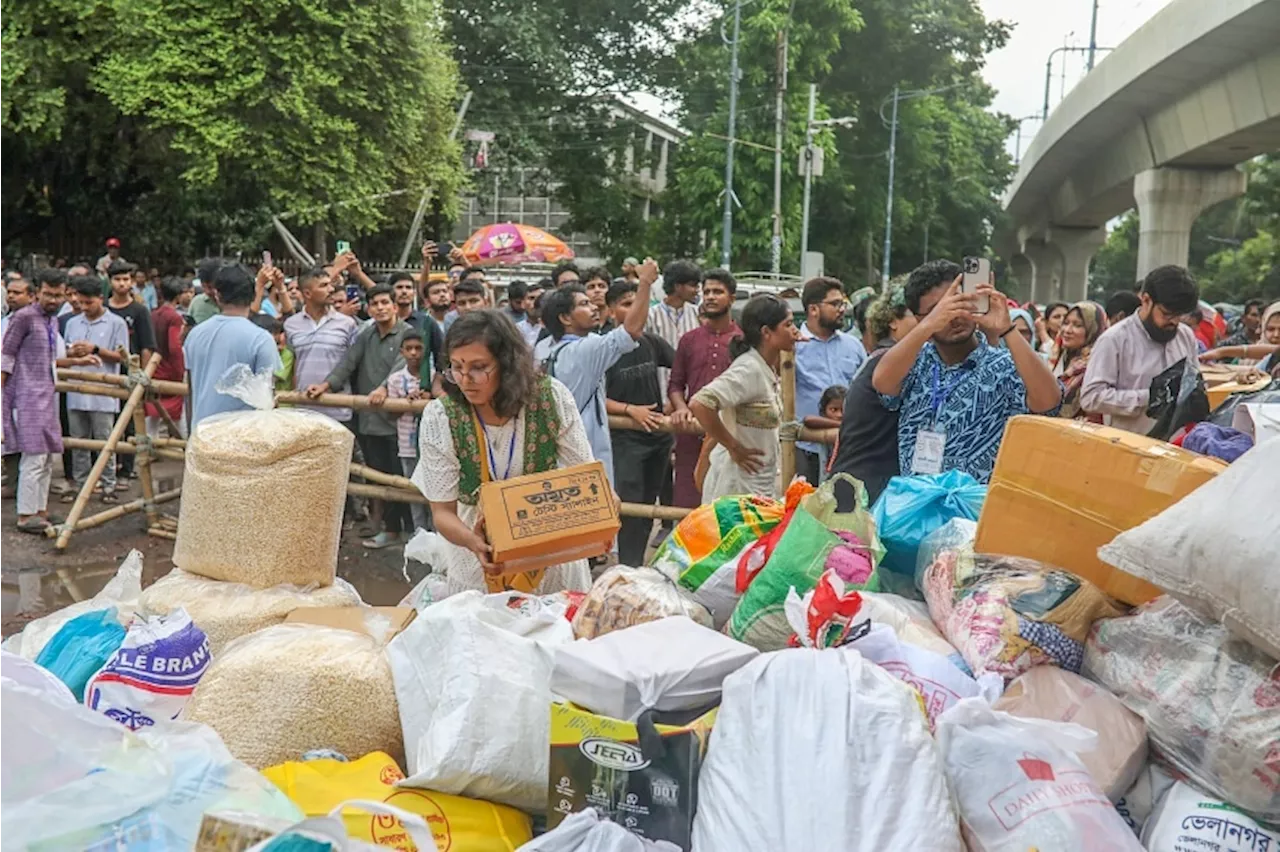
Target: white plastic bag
[(121, 592), (1020, 786), (1216, 550), (330, 829), (473, 680), (586, 832), (74, 779), (1187, 820), (1140, 800), (911, 622), (670, 664), (939, 683), (821, 750), (152, 675), (1047, 692)]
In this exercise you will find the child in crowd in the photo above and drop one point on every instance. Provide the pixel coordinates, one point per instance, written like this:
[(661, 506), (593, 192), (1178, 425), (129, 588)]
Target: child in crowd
[(274, 326), (831, 404), (407, 383)]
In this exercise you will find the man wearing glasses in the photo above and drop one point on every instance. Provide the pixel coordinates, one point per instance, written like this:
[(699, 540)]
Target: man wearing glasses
[(1140, 347), (825, 357)]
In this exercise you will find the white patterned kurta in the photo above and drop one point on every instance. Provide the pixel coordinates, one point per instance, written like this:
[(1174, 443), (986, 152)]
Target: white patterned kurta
[(746, 395), (437, 478)]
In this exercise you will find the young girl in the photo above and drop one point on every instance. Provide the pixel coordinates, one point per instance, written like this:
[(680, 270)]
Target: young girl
[(831, 404)]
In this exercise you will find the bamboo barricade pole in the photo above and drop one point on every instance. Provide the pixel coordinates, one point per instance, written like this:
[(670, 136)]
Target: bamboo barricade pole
[(787, 448), (344, 400), (162, 387), (118, 512), (160, 533), (379, 478), (90, 388), (144, 454), (107, 454), (122, 447)]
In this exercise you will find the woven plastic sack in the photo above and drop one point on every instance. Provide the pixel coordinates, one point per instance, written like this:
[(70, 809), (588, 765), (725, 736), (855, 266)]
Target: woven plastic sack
[(287, 690), (912, 507), (840, 504), (263, 462), (1020, 784), (81, 647), (1050, 693), (866, 778), (1006, 614), (74, 779), (227, 611), (624, 596), (712, 534), (1187, 819), (120, 592), (1211, 703), (1211, 555)]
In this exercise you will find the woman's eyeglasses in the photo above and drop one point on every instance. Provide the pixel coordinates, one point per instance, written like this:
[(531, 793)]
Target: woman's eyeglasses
[(476, 375)]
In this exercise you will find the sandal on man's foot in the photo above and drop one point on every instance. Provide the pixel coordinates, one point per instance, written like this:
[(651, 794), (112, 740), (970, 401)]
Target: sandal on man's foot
[(381, 540), (35, 525), (110, 498)]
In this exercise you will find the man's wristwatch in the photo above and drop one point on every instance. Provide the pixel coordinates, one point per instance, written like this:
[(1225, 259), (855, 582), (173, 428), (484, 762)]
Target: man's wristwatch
[(95, 349)]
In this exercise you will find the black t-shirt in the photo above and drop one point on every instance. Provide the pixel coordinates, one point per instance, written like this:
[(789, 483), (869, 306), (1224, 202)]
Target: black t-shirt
[(633, 379), (868, 434), (138, 318)]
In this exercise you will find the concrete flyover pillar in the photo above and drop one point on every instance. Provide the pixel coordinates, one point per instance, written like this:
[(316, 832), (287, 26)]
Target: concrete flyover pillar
[(1020, 268), (1169, 200), (1077, 247), (1046, 263)]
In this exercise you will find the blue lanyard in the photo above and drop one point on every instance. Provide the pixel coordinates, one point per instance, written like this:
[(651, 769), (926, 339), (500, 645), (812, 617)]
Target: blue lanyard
[(488, 445), (938, 395)]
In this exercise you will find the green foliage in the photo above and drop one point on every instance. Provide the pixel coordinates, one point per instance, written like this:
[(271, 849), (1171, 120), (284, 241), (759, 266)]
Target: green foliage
[(185, 123)]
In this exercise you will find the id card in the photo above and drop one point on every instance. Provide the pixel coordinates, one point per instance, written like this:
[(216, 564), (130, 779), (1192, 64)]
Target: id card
[(929, 449)]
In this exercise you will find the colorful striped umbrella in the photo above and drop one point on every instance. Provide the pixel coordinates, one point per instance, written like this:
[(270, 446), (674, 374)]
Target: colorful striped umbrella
[(512, 242)]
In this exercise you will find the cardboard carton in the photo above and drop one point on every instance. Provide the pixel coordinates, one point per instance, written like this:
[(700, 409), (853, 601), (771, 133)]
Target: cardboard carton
[(354, 618), (647, 783), (1063, 488), (1218, 393), (547, 519)]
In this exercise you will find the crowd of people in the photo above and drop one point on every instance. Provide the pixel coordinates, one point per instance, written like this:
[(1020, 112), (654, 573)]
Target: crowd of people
[(913, 379)]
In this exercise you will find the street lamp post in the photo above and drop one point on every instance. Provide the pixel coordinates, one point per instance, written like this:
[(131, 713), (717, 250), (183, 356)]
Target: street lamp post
[(810, 125), (726, 236)]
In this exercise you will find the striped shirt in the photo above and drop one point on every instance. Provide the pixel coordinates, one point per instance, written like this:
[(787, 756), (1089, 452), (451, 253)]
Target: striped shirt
[(671, 324), (399, 385), (318, 348)]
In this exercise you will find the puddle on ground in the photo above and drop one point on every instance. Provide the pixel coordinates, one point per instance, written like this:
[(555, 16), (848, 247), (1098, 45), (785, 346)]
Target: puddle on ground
[(34, 592)]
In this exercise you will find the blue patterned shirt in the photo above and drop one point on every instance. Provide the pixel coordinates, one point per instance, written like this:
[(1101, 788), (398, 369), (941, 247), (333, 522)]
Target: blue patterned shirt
[(974, 399)]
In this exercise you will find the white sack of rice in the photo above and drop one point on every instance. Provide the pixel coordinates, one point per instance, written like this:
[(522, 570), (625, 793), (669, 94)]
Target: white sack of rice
[(227, 611), (279, 693), (282, 476)]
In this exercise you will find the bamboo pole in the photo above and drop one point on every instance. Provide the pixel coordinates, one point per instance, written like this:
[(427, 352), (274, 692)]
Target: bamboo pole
[(144, 467), (345, 400), (160, 386), (618, 421), (107, 455), (380, 478), (385, 492), (116, 512), (123, 447), (90, 388), (787, 450), (162, 533), (661, 513)]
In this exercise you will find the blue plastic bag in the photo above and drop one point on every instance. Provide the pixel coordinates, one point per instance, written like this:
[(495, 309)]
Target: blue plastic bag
[(909, 509), (81, 647)]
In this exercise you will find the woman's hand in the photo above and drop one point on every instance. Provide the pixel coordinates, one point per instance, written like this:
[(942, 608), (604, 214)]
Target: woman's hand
[(479, 545), (748, 459), (1213, 355)]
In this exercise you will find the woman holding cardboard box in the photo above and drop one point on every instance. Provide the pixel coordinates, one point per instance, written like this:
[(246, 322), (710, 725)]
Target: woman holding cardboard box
[(499, 419)]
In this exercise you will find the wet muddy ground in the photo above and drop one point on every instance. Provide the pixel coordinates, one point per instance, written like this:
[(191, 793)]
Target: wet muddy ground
[(37, 578)]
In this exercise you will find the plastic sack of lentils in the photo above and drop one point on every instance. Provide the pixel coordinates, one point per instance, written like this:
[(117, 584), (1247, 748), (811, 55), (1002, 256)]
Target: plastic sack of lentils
[(247, 475)]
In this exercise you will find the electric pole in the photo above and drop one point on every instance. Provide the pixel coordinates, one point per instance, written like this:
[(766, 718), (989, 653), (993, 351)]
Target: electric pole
[(808, 173), (1093, 35), (775, 254), (888, 205), (726, 237)]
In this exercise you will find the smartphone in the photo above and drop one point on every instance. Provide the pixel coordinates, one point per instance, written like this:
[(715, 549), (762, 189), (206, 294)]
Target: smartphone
[(266, 258), (977, 270), (343, 246), (353, 292)]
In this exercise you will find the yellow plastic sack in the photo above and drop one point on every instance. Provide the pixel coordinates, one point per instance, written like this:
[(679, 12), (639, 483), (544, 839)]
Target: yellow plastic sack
[(458, 824)]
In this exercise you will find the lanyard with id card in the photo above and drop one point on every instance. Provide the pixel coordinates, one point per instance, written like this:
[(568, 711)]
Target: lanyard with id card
[(931, 443), (524, 581)]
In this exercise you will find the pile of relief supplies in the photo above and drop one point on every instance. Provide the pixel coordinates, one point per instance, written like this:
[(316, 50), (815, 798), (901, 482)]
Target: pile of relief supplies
[(1079, 655)]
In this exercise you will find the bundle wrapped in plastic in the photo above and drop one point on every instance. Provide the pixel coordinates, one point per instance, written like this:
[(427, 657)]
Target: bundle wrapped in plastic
[(74, 779), (1005, 614), (911, 622), (120, 593), (1047, 692), (955, 534), (227, 611), (262, 461), (279, 693), (1210, 702), (625, 596), (1020, 784)]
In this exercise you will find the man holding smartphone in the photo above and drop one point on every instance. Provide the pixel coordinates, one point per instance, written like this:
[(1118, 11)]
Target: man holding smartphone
[(952, 384)]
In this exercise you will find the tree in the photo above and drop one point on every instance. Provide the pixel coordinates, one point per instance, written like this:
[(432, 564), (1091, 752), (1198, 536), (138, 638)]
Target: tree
[(188, 122)]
